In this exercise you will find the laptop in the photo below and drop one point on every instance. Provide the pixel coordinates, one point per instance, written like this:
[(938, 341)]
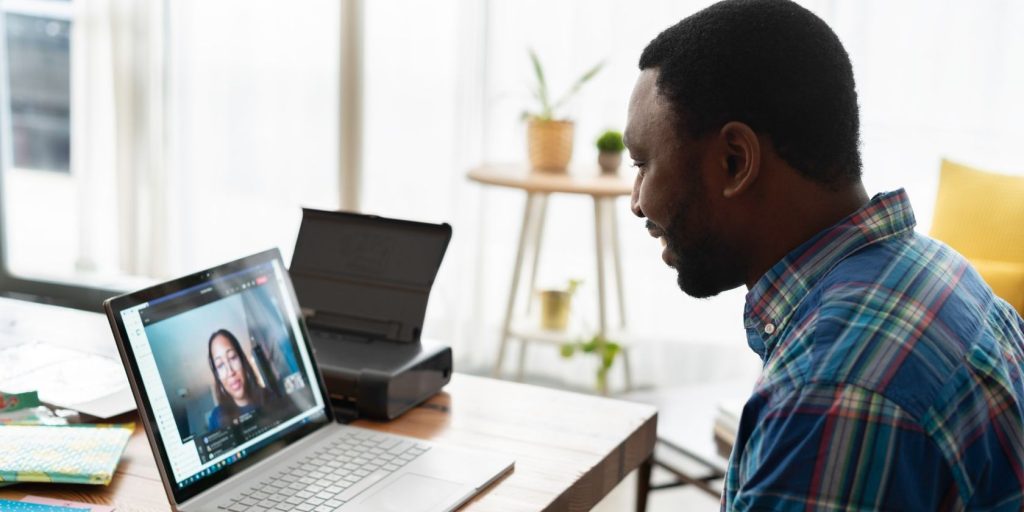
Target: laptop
[(237, 414)]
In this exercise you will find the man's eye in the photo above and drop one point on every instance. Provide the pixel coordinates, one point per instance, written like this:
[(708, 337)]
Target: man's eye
[(640, 166)]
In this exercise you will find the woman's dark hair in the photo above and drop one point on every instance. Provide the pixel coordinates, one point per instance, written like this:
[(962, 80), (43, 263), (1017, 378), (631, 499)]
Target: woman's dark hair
[(772, 65), (228, 409)]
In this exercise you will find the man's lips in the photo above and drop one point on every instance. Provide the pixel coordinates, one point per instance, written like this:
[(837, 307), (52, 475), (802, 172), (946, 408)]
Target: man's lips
[(234, 384), (656, 232)]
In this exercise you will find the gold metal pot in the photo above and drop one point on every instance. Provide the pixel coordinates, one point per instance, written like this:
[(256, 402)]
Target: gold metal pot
[(554, 309)]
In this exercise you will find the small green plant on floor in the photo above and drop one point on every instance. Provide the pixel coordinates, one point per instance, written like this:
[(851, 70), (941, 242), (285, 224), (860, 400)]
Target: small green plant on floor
[(601, 347)]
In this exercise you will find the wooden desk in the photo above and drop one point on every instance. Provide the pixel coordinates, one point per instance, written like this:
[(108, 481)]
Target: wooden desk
[(570, 449), (603, 189)]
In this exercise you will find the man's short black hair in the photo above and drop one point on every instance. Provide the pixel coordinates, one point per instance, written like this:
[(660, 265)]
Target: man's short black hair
[(772, 65)]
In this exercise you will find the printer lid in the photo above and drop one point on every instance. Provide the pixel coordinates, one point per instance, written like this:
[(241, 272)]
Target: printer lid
[(366, 274)]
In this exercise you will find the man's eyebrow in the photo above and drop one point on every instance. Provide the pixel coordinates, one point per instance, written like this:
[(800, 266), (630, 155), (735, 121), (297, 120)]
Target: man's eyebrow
[(625, 138)]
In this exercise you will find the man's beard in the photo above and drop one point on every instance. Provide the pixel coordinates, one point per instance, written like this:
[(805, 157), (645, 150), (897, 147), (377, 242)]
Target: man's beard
[(699, 267), (705, 266)]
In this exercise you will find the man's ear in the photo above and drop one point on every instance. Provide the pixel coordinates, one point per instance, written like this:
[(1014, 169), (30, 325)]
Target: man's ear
[(742, 162)]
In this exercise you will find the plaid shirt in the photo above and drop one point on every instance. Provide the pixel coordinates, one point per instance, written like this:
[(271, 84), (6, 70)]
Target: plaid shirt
[(892, 377)]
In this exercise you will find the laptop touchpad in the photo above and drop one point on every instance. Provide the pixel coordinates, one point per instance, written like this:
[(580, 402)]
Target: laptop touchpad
[(412, 492)]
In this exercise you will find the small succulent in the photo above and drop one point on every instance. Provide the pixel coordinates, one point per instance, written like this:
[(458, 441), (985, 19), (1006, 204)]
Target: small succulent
[(610, 141)]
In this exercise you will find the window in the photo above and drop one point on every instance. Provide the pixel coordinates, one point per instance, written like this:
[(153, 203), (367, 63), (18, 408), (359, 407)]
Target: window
[(144, 140), (36, 185), (39, 76)]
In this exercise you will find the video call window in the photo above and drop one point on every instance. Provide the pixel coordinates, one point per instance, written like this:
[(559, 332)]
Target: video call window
[(228, 361)]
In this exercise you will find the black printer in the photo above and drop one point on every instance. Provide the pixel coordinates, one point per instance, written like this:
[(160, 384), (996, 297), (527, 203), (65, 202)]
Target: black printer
[(363, 282)]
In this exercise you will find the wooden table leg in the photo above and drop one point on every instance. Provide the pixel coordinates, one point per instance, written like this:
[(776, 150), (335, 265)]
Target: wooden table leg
[(538, 237), (643, 483), (599, 245), (524, 234), (613, 227), (606, 238)]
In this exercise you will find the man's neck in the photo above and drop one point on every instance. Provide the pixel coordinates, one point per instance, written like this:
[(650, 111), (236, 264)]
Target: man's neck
[(809, 210)]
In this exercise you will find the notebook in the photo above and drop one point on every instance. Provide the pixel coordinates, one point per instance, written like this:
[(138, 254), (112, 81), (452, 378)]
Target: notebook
[(80, 454), (22, 506)]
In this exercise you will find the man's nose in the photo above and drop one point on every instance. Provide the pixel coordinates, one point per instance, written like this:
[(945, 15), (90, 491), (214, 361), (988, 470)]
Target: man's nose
[(634, 199)]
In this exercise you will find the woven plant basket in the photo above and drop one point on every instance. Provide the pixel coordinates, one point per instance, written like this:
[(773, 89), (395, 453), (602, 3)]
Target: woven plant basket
[(549, 144)]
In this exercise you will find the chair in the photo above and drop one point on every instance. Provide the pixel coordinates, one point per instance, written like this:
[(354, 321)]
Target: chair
[(981, 215)]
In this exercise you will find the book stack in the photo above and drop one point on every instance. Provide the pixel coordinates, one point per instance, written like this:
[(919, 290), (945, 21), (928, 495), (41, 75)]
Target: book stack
[(727, 423)]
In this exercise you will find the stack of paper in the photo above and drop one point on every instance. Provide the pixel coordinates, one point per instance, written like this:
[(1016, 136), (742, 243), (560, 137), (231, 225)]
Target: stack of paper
[(66, 355)]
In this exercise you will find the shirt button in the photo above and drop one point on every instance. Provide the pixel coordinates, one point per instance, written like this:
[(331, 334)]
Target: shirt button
[(769, 328)]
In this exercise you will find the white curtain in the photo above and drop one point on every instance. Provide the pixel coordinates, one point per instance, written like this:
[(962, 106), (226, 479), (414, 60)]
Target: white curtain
[(936, 79), (200, 129), (117, 135), (446, 83), (253, 125)]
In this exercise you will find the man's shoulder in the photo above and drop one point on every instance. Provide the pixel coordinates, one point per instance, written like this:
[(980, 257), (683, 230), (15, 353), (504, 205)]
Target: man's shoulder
[(912, 286), (898, 318), (909, 327)]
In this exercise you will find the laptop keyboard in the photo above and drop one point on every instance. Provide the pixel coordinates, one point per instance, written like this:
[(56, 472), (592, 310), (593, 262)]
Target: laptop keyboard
[(326, 479)]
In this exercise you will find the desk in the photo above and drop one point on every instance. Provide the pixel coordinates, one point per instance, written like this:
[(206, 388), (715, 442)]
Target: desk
[(603, 189), (570, 449)]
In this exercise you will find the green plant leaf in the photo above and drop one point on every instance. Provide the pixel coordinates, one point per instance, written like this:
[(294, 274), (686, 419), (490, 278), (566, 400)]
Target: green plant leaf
[(573, 285), (568, 349), (608, 356), (542, 85), (604, 348), (576, 87)]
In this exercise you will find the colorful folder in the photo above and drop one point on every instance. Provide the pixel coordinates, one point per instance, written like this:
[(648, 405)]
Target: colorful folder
[(83, 454)]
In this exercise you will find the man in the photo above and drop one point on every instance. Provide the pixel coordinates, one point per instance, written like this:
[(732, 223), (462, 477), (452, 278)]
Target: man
[(892, 375)]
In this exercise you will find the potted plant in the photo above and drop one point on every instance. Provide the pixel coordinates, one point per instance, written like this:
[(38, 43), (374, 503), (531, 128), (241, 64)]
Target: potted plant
[(549, 137), (601, 347), (609, 147)]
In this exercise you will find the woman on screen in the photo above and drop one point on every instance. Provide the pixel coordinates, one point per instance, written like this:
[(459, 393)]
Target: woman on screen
[(237, 390)]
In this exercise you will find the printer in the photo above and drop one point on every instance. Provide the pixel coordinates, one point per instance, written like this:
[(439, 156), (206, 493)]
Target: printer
[(363, 282)]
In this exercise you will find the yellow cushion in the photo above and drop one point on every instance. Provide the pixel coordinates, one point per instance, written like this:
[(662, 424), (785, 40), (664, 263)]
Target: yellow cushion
[(980, 214), (1005, 278)]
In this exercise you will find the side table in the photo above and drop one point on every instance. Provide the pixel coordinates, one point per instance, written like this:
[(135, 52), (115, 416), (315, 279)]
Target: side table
[(604, 190)]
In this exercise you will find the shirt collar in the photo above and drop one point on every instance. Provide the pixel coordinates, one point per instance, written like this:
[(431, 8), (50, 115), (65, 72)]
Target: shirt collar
[(774, 298)]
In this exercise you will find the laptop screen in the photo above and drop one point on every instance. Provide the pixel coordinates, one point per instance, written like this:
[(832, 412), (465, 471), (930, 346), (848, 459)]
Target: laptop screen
[(224, 366)]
